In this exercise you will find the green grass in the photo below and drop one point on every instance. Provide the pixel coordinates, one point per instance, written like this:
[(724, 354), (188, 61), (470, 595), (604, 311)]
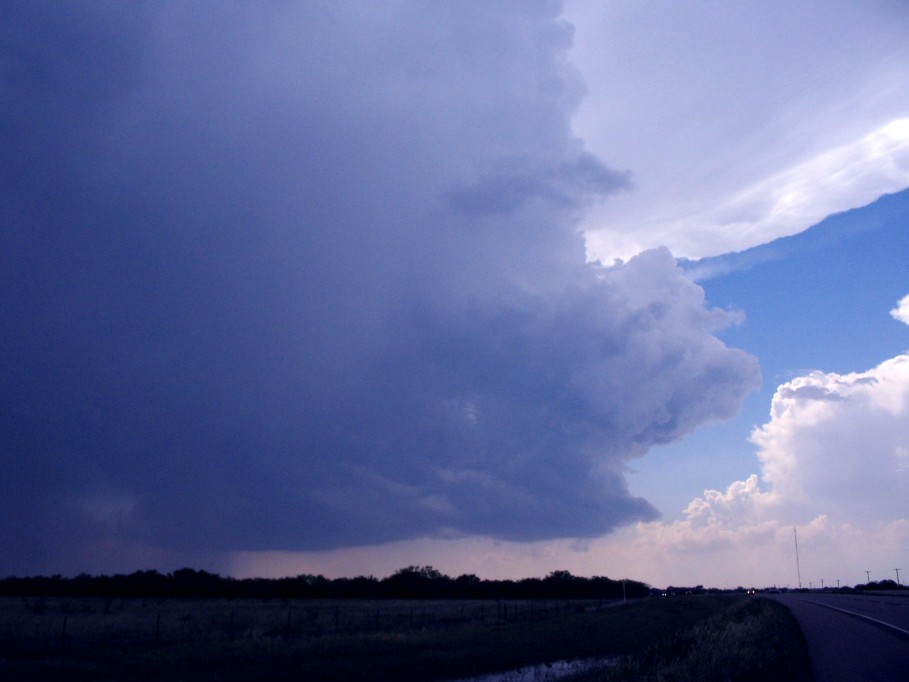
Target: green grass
[(366, 640), (753, 640)]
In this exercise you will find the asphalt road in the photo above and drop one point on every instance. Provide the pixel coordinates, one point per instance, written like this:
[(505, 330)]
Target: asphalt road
[(853, 638)]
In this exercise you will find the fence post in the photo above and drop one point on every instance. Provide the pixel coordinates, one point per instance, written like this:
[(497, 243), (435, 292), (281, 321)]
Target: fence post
[(63, 634)]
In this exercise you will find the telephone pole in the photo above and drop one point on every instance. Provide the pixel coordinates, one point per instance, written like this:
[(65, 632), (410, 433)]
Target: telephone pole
[(897, 575), (868, 576), (798, 568)]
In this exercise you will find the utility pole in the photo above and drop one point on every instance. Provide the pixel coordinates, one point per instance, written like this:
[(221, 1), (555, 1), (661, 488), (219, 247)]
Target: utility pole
[(837, 583), (868, 576), (822, 583), (897, 575), (798, 568)]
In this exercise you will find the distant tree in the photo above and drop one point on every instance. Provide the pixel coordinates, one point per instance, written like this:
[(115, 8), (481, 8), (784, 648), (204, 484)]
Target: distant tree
[(416, 582), (467, 586), (561, 585), (411, 582)]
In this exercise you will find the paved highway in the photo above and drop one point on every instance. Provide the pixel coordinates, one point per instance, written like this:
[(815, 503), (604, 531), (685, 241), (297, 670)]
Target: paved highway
[(854, 638)]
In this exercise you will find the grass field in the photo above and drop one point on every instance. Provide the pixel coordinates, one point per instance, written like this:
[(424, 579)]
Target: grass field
[(750, 641), (203, 640)]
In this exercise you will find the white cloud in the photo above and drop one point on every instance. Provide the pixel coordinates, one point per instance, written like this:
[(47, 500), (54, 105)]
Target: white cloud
[(901, 312), (833, 442), (833, 464), (717, 521), (742, 123), (786, 203)]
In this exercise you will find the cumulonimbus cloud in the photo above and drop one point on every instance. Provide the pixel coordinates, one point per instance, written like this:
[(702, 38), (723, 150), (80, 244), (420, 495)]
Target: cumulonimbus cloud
[(306, 276)]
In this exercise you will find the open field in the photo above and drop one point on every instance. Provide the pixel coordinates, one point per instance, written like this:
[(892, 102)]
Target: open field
[(92, 639)]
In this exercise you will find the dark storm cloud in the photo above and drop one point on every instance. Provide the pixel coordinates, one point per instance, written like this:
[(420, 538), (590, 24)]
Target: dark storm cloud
[(307, 276), (514, 186)]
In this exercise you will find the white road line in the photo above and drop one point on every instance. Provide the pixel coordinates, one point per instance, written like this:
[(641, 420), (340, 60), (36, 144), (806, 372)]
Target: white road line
[(904, 633)]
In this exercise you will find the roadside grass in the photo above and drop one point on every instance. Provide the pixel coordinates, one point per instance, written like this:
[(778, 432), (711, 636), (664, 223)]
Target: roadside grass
[(427, 650), (752, 640)]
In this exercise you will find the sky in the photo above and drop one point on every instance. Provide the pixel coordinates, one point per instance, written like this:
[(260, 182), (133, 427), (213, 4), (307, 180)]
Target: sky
[(502, 288)]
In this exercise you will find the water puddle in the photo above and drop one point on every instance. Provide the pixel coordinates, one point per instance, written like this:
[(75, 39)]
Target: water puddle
[(544, 672)]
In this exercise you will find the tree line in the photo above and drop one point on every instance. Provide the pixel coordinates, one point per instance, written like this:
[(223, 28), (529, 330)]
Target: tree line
[(413, 582)]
